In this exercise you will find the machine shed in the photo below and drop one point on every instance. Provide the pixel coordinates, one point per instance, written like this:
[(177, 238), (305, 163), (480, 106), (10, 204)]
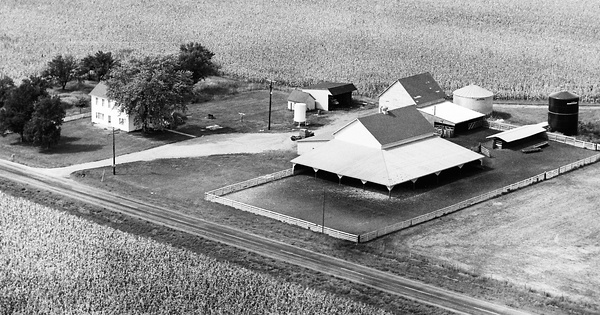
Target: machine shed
[(329, 95)]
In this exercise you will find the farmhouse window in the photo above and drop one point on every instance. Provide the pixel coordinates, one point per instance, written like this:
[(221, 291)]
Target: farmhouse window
[(100, 115), (102, 102), (96, 101), (109, 119), (121, 121)]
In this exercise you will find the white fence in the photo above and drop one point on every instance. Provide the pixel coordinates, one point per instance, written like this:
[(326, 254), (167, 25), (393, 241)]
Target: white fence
[(217, 196), (469, 202), (78, 116)]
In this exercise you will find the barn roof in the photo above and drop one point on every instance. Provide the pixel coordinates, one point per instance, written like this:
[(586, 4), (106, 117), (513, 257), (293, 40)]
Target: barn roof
[(473, 91), (521, 132), (391, 166), (299, 97), (423, 89), (99, 90), (451, 112), (333, 88), (397, 125)]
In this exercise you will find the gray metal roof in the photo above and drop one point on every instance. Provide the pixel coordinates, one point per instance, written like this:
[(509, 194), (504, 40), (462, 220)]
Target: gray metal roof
[(300, 97), (423, 89), (99, 90), (333, 88), (397, 125)]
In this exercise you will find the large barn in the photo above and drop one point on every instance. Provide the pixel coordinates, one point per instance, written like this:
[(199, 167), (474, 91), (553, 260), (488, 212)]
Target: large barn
[(387, 148), (424, 92), (329, 95)]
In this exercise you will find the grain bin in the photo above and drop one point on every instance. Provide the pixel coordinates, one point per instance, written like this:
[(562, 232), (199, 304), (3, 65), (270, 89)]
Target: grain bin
[(474, 98), (300, 113), (563, 112)]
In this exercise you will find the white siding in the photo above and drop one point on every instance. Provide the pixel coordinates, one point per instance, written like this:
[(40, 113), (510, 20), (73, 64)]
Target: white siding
[(103, 109), (395, 97), (356, 132), (321, 98)]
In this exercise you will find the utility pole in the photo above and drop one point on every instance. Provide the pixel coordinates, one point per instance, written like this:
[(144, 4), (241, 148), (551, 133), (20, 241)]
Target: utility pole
[(114, 165), (270, 100)]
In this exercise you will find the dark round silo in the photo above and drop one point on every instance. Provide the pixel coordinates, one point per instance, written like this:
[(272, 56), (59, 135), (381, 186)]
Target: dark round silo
[(563, 112)]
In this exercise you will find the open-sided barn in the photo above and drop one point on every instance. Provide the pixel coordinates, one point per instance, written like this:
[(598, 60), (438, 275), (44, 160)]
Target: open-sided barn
[(387, 148), (328, 95), (519, 134)]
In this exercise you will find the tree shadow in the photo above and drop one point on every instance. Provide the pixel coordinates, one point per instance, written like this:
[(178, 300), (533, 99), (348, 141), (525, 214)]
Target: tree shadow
[(67, 145)]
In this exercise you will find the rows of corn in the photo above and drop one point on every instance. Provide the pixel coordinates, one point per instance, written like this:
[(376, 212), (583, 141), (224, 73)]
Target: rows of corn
[(518, 49), (55, 263)]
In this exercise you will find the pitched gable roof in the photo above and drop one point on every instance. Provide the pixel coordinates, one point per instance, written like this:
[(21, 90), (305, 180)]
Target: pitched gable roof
[(333, 88), (423, 89), (397, 126), (299, 96), (99, 90)]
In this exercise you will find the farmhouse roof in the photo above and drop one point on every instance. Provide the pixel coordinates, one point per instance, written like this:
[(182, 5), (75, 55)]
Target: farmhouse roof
[(99, 90), (387, 167), (299, 96), (422, 88), (451, 112), (473, 91), (397, 125), (333, 88), (521, 132)]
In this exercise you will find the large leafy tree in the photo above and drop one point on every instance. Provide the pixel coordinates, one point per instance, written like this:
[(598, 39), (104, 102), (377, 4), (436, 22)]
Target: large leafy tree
[(6, 85), (97, 66), (150, 90), (19, 105), (61, 70), (43, 129), (196, 58)]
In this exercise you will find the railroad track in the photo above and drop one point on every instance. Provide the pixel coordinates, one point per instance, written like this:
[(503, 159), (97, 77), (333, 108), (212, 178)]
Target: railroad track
[(383, 281)]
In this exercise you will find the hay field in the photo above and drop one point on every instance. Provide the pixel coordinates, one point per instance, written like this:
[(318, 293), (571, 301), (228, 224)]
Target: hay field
[(518, 49)]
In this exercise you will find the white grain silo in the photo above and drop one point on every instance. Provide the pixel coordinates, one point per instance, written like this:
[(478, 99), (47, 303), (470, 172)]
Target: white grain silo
[(474, 98), (300, 113)]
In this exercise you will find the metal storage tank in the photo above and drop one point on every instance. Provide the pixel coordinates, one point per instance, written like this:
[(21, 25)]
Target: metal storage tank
[(300, 113), (474, 98), (563, 112)]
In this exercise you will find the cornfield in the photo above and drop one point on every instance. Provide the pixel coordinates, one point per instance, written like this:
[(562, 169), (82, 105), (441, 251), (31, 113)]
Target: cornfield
[(55, 263), (517, 49)]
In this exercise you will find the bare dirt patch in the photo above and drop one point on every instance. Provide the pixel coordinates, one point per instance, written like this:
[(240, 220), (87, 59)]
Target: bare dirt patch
[(546, 237)]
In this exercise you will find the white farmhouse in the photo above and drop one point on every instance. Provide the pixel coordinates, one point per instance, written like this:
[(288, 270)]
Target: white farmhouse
[(106, 114)]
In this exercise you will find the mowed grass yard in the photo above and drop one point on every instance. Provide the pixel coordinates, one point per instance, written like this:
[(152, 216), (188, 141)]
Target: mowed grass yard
[(81, 141), (351, 208)]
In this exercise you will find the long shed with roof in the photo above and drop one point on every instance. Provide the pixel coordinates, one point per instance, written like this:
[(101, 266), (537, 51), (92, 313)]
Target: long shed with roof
[(329, 95), (387, 149)]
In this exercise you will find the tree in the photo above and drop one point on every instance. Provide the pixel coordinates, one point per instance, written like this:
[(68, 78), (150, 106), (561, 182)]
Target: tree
[(150, 90), (197, 59), (43, 129), (6, 85), (96, 67), (61, 69), (19, 105)]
